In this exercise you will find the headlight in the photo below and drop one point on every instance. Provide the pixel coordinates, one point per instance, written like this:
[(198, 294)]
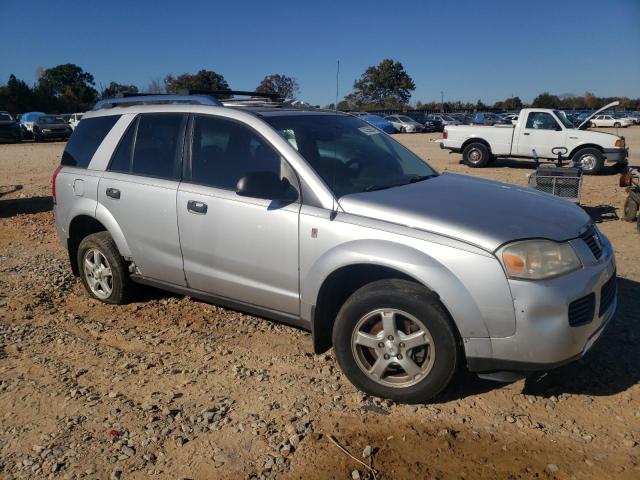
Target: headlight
[(620, 142), (538, 259)]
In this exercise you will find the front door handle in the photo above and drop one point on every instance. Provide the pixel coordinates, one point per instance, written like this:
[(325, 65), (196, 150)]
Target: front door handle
[(525, 133), (197, 207), (113, 193)]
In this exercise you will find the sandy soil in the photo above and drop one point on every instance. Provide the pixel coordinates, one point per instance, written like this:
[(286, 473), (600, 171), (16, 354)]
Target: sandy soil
[(169, 387)]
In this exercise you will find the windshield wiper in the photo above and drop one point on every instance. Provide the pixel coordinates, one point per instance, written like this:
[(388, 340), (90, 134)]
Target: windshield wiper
[(417, 178)]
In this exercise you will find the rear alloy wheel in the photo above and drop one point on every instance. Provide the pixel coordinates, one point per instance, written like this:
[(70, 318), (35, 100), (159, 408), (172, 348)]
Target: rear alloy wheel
[(102, 268), (394, 340), (590, 159), (630, 210), (476, 155)]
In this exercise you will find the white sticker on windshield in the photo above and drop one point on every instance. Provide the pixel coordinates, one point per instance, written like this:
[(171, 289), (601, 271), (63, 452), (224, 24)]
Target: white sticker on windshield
[(368, 130)]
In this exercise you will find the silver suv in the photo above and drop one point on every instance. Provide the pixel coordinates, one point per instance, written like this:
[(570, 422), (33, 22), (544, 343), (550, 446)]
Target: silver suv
[(319, 220)]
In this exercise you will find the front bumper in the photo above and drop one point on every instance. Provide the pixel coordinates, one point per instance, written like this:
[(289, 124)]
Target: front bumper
[(616, 155), (544, 339)]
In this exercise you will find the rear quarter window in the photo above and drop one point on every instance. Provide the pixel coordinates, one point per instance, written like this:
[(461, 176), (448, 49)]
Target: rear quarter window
[(86, 139)]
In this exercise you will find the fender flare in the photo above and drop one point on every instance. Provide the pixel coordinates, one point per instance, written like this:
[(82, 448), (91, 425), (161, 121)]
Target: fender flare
[(407, 260), (105, 217)]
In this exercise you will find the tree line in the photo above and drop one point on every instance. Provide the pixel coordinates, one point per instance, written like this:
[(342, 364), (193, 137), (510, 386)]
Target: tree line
[(386, 86), (68, 88)]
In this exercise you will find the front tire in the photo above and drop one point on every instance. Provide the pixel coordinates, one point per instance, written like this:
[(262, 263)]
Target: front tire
[(393, 339), (617, 125), (102, 269), (590, 159), (476, 155)]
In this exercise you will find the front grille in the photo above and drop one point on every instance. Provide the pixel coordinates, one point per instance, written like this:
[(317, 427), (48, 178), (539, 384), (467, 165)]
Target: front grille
[(608, 294), (592, 239), (581, 311)]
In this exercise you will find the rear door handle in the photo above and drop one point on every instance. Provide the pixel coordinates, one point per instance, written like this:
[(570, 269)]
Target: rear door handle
[(525, 133), (197, 207), (113, 193)]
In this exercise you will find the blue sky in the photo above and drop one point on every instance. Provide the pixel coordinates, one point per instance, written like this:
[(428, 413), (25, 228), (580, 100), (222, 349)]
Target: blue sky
[(487, 49)]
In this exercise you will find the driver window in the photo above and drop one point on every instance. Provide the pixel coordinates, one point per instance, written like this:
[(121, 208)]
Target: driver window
[(541, 121), (223, 151)]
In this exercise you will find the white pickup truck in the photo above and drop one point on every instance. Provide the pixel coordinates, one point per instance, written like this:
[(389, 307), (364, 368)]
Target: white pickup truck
[(537, 134)]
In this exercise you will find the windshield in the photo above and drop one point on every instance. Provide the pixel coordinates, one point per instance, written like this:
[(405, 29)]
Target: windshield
[(5, 117), (563, 118), (50, 119), (405, 119), (350, 155)]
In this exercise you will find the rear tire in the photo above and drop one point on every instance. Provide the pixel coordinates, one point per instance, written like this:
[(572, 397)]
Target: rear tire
[(617, 125), (103, 271), (476, 155), (630, 210), (590, 159), (373, 332)]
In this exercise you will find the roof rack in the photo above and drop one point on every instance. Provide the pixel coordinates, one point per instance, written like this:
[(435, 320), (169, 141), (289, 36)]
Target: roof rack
[(129, 100), (232, 93)]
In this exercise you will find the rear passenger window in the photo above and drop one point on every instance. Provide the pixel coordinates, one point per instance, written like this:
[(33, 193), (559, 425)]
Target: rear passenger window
[(158, 145), (224, 150), (86, 139)]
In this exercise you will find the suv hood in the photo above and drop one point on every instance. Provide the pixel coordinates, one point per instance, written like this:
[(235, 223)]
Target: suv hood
[(477, 211)]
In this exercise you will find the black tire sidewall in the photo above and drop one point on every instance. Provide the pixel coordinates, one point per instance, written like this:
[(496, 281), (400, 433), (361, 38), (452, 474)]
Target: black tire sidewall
[(485, 155), (411, 298), (103, 242)]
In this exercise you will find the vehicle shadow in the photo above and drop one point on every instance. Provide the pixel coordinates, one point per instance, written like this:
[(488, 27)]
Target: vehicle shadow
[(612, 366), (29, 205), (602, 213)]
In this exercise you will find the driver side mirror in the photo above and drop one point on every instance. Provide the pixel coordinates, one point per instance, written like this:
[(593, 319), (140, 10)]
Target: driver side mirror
[(267, 185)]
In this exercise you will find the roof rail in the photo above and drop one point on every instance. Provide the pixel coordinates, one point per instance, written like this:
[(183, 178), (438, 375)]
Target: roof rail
[(129, 100)]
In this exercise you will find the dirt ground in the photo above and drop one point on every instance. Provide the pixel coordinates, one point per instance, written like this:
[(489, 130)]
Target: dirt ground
[(169, 387)]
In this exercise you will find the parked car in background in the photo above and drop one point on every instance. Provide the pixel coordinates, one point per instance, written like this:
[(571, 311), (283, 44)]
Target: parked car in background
[(427, 125), (26, 121), (10, 130), (445, 119), (538, 132), (634, 119), (51, 127), (404, 124), (463, 118), (489, 118), (377, 121), (511, 118), (609, 120), (316, 219)]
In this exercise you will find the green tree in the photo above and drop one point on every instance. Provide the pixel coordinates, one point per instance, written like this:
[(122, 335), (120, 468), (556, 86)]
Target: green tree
[(16, 96), (386, 85), (203, 80), (67, 87), (285, 87), (114, 89), (480, 105), (546, 100)]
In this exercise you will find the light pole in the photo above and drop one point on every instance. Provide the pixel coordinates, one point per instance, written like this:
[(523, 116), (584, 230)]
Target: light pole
[(442, 101)]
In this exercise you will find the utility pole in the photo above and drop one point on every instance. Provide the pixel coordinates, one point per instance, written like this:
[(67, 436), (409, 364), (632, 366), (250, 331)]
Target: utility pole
[(442, 101)]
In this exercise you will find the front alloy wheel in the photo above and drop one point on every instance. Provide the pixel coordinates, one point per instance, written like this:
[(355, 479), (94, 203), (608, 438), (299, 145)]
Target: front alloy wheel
[(394, 339), (393, 347)]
